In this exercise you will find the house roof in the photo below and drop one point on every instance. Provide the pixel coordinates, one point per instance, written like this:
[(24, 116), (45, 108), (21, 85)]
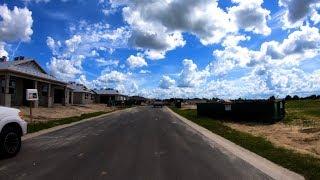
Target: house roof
[(79, 88), (28, 67), (108, 92)]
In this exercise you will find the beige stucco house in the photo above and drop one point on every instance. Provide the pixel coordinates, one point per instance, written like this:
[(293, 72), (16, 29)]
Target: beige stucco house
[(20, 74), (82, 94), (111, 97)]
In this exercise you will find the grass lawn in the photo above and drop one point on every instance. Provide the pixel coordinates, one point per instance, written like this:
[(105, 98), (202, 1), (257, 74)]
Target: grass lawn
[(34, 127), (303, 112), (306, 165)]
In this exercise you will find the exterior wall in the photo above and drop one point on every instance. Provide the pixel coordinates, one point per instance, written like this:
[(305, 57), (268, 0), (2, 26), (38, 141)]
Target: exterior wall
[(77, 98), (97, 98), (50, 95), (2, 84), (43, 93), (2, 99), (16, 85), (81, 98), (17, 96), (89, 98)]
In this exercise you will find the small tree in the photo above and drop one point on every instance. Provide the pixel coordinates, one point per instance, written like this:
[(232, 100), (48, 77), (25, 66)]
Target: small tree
[(295, 97), (272, 98), (288, 97)]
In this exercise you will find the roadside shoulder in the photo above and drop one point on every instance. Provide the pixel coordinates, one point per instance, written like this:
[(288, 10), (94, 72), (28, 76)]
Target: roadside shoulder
[(271, 169), (55, 128)]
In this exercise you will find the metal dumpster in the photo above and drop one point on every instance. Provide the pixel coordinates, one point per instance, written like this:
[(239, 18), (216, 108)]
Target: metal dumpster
[(244, 110)]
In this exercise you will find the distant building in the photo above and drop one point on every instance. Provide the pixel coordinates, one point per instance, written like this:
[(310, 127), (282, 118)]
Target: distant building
[(81, 94), (20, 74), (137, 100), (111, 97)]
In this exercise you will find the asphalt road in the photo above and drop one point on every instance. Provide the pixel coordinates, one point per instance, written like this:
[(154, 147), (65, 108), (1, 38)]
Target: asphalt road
[(140, 143)]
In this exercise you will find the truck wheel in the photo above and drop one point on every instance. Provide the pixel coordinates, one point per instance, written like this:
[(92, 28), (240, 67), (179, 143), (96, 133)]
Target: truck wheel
[(10, 141)]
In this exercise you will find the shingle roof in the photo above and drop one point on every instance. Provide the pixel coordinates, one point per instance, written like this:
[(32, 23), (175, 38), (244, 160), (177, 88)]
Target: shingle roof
[(108, 92), (79, 88), (27, 67)]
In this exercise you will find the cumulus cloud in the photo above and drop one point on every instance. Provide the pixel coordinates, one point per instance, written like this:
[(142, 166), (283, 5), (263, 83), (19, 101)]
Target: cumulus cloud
[(296, 11), (3, 52), (249, 15), (166, 82), (158, 27), (107, 62), (232, 56), (73, 43), (16, 24), (301, 41), (85, 42), (190, 76), (41, 1), (64, 69), (315, 16), (299, 45), (136, 61)]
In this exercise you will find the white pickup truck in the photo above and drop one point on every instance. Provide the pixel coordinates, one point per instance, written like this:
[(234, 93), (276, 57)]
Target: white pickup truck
[(12, 127)]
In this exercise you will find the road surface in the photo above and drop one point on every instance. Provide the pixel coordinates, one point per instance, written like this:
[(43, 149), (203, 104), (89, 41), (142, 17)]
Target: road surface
[(138, 143)]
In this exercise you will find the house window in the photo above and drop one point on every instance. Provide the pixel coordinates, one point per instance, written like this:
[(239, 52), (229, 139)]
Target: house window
[(44, 90), (2, 85), (86, 96), (12, 86), (92, 97)]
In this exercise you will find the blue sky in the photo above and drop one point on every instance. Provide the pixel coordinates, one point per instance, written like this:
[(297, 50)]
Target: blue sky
[(171, 48)]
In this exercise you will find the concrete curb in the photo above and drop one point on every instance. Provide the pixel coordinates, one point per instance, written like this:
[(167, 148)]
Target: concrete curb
[(45, 131), (269, 168)]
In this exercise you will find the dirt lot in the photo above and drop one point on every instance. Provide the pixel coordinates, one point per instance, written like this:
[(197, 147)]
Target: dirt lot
[(305, 140), (188, 106), (58, 112), (300, 130)]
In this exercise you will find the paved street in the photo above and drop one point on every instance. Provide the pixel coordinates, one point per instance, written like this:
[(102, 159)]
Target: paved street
[(139, 143)]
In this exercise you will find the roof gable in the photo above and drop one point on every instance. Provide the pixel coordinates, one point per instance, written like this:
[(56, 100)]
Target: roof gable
[(31, 65)]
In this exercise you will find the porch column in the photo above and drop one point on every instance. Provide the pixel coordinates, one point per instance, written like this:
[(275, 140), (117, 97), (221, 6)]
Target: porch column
[(7, 96), (72, 97), (35, 86), (49, 96), (64, 101)]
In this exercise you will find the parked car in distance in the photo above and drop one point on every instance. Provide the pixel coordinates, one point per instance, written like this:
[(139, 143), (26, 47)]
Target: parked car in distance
[(158, 104), (12, 127)]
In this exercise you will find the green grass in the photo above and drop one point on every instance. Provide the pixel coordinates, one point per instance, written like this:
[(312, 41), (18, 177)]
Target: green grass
[(306, 165), (303, 112), (34, 127)]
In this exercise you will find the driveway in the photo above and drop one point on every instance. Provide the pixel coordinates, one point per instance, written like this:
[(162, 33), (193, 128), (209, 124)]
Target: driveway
[(139, 143)]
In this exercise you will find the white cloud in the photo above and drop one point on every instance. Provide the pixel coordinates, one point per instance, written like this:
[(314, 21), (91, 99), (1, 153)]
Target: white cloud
[(301, 41), (112, 77), (157, 27), (232, 56), (86, 42), (249, 15), (73, 43), (315, 16), (166, 82), (143, 71), (64, 69), (299, 45), (41, 1), (3, 52), (296, 11), (107, 62), (16, 24), (190, 76), (136, 61), (124, 82)]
